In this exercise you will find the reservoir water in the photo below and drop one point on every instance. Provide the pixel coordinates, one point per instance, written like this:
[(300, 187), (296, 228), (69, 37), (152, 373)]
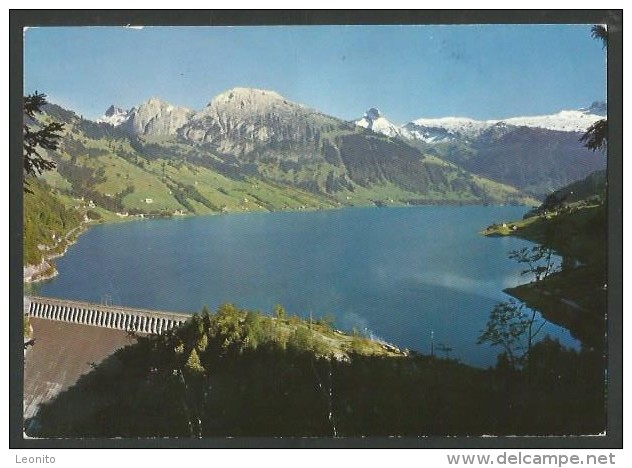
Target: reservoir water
[(400, 274)]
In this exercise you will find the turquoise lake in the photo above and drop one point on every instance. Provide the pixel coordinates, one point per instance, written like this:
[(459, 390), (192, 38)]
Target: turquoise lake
[(399, 274)]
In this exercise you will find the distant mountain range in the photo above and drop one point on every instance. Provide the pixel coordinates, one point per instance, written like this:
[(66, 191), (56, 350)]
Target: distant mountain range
[(445, 129), (536, 154), (253, 149)]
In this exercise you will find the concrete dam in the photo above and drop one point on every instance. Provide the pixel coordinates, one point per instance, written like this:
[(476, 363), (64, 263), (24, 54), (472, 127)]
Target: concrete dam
[(70, 337), (105, 316)]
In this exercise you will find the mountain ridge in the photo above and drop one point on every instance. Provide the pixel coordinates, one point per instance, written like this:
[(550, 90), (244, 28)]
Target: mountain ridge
[(247, 133), (450, 128), (267, 101), (251, 150)]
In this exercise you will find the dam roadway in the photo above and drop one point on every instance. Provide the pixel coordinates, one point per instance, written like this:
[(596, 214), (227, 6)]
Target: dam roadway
[(70, 337)]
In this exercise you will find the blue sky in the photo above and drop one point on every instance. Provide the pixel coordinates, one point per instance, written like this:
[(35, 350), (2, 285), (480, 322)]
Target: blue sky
[(407, 72)]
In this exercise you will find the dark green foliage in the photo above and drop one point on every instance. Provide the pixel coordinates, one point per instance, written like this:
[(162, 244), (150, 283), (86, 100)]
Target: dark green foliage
[(38, 136), (331, 153), (572, 222), (373, 160), (185, 192), (596, 137), (510, 325), (537, 259), (334, 184), (559, 380), (514, 329), (99, 131), (257, 329), (83, 180), (93, 215), (591, 190), (180, 196), (152, 390), (147, 151), (279, 312), (553, 163), (600, 32), (301, 339), (576, 297), (59, 113), (44, 216)]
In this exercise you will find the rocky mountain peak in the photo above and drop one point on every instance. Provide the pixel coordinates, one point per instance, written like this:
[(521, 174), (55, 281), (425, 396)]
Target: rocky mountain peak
[(157, 117), (240, 119), (246, 102), (373, 114), (251, 94), (114, 110)]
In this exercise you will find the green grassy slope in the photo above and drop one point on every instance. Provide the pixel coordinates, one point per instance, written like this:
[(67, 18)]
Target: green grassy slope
[(336, 164)]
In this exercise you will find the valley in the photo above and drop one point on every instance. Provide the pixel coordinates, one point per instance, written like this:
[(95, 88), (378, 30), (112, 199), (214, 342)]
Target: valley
[(252, 150), (288, 156), (327, 272)]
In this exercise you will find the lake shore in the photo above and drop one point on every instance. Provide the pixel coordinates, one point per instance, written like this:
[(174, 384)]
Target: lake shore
[(575, 297), (46, 269), (378, 270)]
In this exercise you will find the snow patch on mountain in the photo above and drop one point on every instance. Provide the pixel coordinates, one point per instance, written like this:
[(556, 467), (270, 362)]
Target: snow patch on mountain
[(374, 120), (564, 121), (114, 116), (444, 129)]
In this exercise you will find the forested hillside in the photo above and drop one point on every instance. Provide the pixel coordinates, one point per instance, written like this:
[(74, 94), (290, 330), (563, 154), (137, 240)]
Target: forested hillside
[(572, 223), (46, 223), (241, 373)]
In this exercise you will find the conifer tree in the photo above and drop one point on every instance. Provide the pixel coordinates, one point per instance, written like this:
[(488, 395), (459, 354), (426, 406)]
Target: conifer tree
[(38, 135)]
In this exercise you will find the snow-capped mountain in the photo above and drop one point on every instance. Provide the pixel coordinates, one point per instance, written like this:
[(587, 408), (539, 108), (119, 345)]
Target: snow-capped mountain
[(445, 129), (114, 116), (564, 121), (374, 120), (245, 131)]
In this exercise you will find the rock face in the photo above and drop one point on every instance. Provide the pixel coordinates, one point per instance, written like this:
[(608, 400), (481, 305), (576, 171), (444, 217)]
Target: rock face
[(242, 119), (246, 131), (157, 118)]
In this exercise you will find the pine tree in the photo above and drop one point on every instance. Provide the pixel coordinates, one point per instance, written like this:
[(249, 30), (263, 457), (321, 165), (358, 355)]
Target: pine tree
[(45, 137), (193, 363), (596, 137)]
